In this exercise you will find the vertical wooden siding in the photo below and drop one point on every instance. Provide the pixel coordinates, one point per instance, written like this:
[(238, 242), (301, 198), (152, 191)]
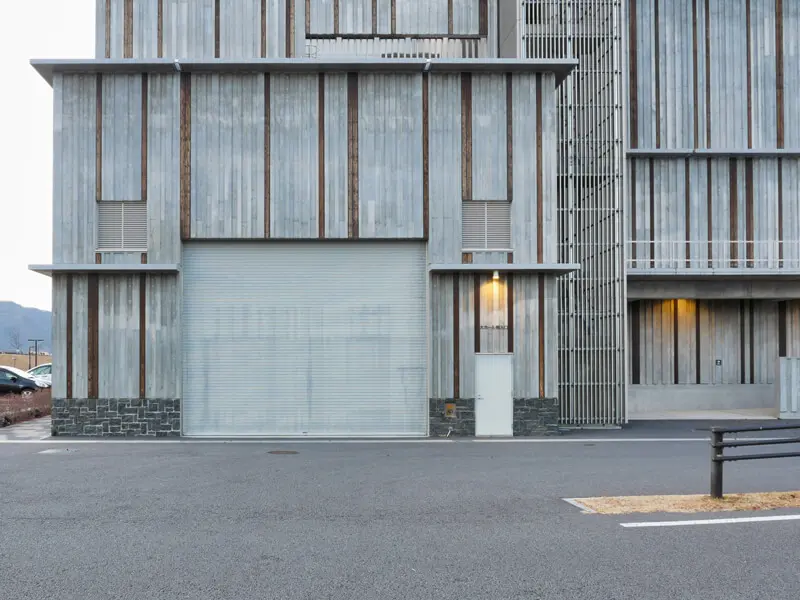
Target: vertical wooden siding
[(390, 133), (227, 185), (743, 335), (75, 174), (689, 227), (733, 55)]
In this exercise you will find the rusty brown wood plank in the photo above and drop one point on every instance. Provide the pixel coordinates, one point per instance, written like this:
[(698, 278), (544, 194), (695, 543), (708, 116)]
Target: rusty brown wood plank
[(708, 74), (108, 29), (634, 76), (687, 207), (92, 345), (267, 154), (633, 208), (289, 28), (698, 371), (752, 322), (539, 174), (742, 344), (695, 91), (541, 332), (676, 348), (98, 159), (510, 258), (483, 17), (144, 258), (161, 28), (466, 258), (780, 212), (466, 136), (782, 331), (510, 311), (456, 338), (636, 327), (186, 156), (450, 17), (476, 307), (733, 211), (709, 215), (263, 28), (145, 126), (779, 73), (308, 17), (142, 335), (657, 71), (321, 155), (98, 258), (352, 154), (749, 89), (374, 17), (748, 211), (336, 16), (127, 41), (652, 194), (217, 26), (68, 357), (394, 16), (426, 188)]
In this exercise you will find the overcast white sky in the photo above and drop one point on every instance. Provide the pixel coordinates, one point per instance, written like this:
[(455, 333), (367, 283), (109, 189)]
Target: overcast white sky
[(32, 29)]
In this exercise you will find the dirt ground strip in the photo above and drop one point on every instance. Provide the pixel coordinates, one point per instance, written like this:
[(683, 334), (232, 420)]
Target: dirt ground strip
[(621, 505)]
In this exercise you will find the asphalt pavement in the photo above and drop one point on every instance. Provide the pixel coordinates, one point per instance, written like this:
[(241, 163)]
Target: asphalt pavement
[(386, 521)]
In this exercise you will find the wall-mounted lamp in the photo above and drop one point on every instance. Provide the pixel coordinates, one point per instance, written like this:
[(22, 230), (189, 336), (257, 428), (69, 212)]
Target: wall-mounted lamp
[(496, 276)]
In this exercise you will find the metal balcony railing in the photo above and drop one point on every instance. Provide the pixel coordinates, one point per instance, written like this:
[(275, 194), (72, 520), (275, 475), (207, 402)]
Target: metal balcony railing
[(718, 254)]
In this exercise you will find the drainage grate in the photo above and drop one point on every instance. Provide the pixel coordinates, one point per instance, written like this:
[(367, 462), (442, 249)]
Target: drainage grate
[(282, 452)]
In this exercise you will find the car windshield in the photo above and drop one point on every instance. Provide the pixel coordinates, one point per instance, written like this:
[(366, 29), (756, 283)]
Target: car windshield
[(40, 370), (18, 372)]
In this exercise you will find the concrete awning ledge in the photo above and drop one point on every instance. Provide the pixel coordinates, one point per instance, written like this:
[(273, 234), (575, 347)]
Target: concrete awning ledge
[(556, 269), (560, 67), (108, 269), (681, 274)]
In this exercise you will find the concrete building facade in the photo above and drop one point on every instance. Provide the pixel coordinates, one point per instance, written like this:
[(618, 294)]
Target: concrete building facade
[(400, 218)]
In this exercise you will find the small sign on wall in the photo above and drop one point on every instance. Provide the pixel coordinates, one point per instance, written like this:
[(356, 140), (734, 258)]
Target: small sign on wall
[(718, 362), (450, 410)]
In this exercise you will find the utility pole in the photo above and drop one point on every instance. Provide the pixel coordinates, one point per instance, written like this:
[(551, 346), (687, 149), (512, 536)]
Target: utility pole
[(35, 351)]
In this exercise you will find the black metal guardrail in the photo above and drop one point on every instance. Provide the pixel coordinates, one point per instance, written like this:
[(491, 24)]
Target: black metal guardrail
[(718, 445)]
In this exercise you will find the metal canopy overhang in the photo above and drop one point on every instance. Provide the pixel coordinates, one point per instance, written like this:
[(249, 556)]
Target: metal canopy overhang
[(560, 67), (557, 269), (710, 274), (102, 269)]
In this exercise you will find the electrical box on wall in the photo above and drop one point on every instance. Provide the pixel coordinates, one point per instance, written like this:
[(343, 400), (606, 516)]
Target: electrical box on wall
[(450, 410)]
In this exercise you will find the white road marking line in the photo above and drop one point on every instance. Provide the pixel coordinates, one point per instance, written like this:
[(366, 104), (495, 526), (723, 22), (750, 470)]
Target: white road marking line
[(577, 504), (712, 521), (52, 440)]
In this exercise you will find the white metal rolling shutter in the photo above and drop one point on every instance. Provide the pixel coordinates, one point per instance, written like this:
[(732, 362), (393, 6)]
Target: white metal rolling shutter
[(304, 339)]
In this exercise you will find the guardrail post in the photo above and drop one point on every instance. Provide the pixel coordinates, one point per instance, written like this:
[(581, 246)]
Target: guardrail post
[(716, 464)]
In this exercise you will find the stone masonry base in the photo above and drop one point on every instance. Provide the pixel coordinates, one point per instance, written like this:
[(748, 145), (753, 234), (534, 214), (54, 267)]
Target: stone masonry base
[(536, 416), (112, 417), (462, 423)]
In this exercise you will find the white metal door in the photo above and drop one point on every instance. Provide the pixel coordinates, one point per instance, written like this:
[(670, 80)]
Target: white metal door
[(304, 339), (494, 402)]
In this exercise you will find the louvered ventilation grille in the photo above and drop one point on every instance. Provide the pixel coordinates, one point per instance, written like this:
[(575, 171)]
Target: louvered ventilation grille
[(121, 226), (486, 225)]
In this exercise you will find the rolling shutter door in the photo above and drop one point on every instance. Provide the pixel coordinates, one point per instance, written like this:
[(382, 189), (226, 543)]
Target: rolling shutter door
[(304, 339)]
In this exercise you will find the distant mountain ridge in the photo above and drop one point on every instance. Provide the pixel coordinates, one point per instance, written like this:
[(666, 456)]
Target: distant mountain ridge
[(18, 324)]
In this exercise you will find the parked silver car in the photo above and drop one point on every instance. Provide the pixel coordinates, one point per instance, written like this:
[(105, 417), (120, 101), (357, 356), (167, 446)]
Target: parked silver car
[(42, 375)]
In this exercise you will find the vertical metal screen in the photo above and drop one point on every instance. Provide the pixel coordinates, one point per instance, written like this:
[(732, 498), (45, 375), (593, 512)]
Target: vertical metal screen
[(590, 192)]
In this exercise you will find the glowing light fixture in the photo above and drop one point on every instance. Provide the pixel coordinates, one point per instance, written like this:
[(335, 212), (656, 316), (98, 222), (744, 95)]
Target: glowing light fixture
[(496, 276)]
